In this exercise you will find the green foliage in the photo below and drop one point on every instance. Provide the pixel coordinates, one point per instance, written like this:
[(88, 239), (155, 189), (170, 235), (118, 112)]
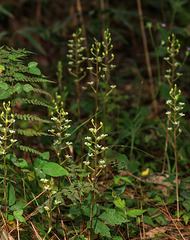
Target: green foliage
[(70, 191)]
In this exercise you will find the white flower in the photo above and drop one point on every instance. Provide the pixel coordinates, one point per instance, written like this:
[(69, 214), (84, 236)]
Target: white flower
[(44, 180), (168, 101), (67, 134), (68, 143), (46, 208), (168, 112), (169, 129), (11, 131), (67, 156), (87, 144), (88, 138), (104, 148), (90, 154), (47, 187), (13, 140), (91, 129), (90, 83), (181, 103), (87, 163), (181, 114), (57, 202)]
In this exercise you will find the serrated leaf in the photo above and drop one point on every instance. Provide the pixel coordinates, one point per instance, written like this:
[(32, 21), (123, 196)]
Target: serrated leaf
[(35, 71), (32, 64), (100, 227), (27, 88), (135, 212), (119, 202), (112, 217)]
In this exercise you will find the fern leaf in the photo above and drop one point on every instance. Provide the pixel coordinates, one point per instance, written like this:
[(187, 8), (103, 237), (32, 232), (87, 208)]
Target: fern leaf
[(30, 132), (28, 117), (28, 149), (30, 101)]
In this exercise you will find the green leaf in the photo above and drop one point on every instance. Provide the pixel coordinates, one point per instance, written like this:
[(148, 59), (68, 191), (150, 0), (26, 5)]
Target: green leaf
[(5, 94), (18, 215), (100, 227), (117, 238), (18, 88), (4, 85), (50, 168), (32, 64), (11, 194), (18, 75), (148, 220), (112, 217), (135, 212), (45, 155), (35, 71), (12, 57), (2, 67), (119, 203), (17, 205), (117, 178), (27, 88)]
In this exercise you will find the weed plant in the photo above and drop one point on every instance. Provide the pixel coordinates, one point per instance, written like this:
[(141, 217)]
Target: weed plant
[(50, 194)]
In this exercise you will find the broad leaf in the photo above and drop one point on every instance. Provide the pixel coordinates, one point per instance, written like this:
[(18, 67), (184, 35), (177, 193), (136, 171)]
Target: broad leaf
[(35, 71), (32, 64), (11, 194), (112, 217), (100, 227), (27, 88), (135, 212), (50, 168)]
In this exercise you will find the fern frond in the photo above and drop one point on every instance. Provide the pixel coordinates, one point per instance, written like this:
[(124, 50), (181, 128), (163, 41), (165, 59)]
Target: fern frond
[(30, 132), (28, 117), (28, 149), (30, 101), (38, 90)]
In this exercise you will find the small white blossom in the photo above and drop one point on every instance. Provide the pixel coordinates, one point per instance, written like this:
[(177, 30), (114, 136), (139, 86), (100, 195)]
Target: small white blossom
[(87, 144), (169, 102), (181, 103), (88, 138), (168, 112), (57, 202), (104, 148), (90, 154), (47, 187), (44, 180), (90, 83), (12, 131), (68, 143), (46, 208), (182, 114), (87, 163), (169, 129)]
